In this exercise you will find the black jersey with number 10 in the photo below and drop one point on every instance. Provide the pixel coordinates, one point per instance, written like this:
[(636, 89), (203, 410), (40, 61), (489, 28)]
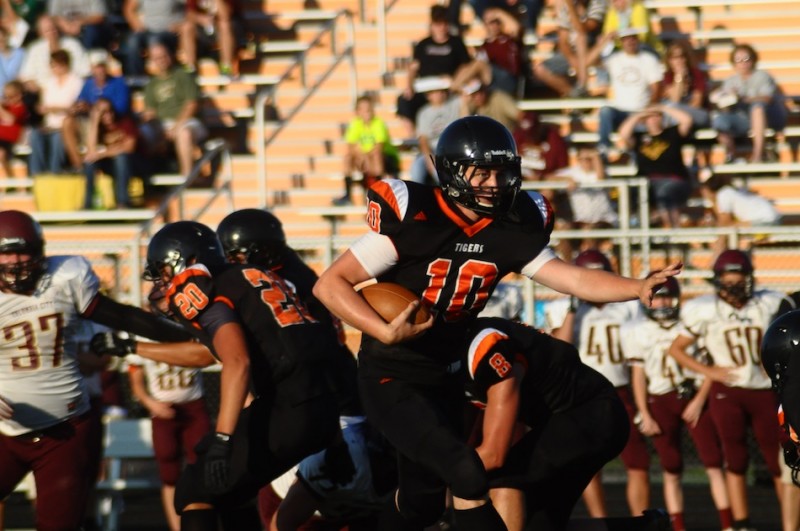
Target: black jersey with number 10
[(451, 263)]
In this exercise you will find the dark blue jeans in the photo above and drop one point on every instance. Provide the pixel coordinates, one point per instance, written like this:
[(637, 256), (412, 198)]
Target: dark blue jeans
[(47, 152), (137, 43), (120, 168)]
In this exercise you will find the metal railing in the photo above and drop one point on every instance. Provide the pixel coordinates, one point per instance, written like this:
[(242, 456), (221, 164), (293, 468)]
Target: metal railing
[(268, 93)]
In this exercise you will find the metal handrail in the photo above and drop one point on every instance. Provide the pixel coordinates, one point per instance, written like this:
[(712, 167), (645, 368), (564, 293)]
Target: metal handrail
[(265, 93)]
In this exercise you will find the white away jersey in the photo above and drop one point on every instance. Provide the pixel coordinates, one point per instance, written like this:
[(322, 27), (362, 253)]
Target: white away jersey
[(596, 334), (39, 373), (733, 337), (170, 383), (646, 343)]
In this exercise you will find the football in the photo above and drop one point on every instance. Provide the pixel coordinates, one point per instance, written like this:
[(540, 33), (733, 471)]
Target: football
[(389, 299)]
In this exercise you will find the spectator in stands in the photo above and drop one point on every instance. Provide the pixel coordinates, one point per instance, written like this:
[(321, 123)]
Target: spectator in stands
[(541, 147), (216, 24), (626, 14), (685, 86), (36, 66), (499, 61), (736, 206), (57, 95), (370, 151), (748, 101), (84, 20), (110, 147), (154, 22), (438, 54), (99, 85), (13, 116), (18, 17), (635, 84), (521, 16), (579, 23), (591, 207), (442, 108), (658, 153), (486, 101), (171, 100), (11, 58)]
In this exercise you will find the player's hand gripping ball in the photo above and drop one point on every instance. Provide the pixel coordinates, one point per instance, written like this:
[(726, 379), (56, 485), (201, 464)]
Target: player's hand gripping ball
[(389, 300)]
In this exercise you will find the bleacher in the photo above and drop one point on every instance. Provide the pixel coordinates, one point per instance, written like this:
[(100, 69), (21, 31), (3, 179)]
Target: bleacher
[(298, 81)]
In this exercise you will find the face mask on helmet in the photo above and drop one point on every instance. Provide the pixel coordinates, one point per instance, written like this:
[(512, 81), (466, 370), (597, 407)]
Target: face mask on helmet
[(22, 244), (666, 306), (177, 246), (478, 166), (738, 292)]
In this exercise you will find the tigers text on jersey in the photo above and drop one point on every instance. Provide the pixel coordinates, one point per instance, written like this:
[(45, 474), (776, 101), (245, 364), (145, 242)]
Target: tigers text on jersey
[(454, 265), (170, 383), (39, 373), (596, 335), (733, 337), (555, 379), (279, 330), (645, 342)]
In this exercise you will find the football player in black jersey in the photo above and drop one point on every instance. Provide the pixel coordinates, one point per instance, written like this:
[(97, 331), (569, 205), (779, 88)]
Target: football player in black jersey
[(450, 245), (339, 481), (550, 423), (269, 345)]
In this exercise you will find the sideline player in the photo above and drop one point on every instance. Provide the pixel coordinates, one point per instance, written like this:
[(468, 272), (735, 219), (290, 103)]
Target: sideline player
[(450, 246), (667, 398), (46, 422), (594, 329), (731, 323), (265, 338)]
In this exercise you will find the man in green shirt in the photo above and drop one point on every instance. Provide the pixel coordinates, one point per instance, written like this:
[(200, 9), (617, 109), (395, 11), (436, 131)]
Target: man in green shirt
[(171, 102)]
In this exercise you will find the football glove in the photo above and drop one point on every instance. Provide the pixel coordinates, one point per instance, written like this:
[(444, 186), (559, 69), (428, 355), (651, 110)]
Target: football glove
[(112, 344), (217, 463)]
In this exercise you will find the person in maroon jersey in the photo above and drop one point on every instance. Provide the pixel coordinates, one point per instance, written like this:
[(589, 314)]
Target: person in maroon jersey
[(450, 245), (47, 424)]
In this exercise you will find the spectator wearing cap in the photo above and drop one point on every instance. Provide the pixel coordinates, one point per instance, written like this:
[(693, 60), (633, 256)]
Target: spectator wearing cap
[(658, 152), (483, 100), (438, 54), (84, 20), (442, 108), (635, 84), (99, 85)]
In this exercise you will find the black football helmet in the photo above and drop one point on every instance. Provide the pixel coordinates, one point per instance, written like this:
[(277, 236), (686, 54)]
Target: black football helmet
[(734, 261), (255, 234), (478, 141), (593, 259), (179, 245), (780, 355), (20, 234), (666, 314)]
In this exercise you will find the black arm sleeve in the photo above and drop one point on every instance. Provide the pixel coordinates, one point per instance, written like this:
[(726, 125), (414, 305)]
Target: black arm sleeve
[(134, 320), (215, 316)]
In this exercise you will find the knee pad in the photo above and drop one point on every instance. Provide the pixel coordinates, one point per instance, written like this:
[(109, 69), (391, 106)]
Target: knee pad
[(460, 467)]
